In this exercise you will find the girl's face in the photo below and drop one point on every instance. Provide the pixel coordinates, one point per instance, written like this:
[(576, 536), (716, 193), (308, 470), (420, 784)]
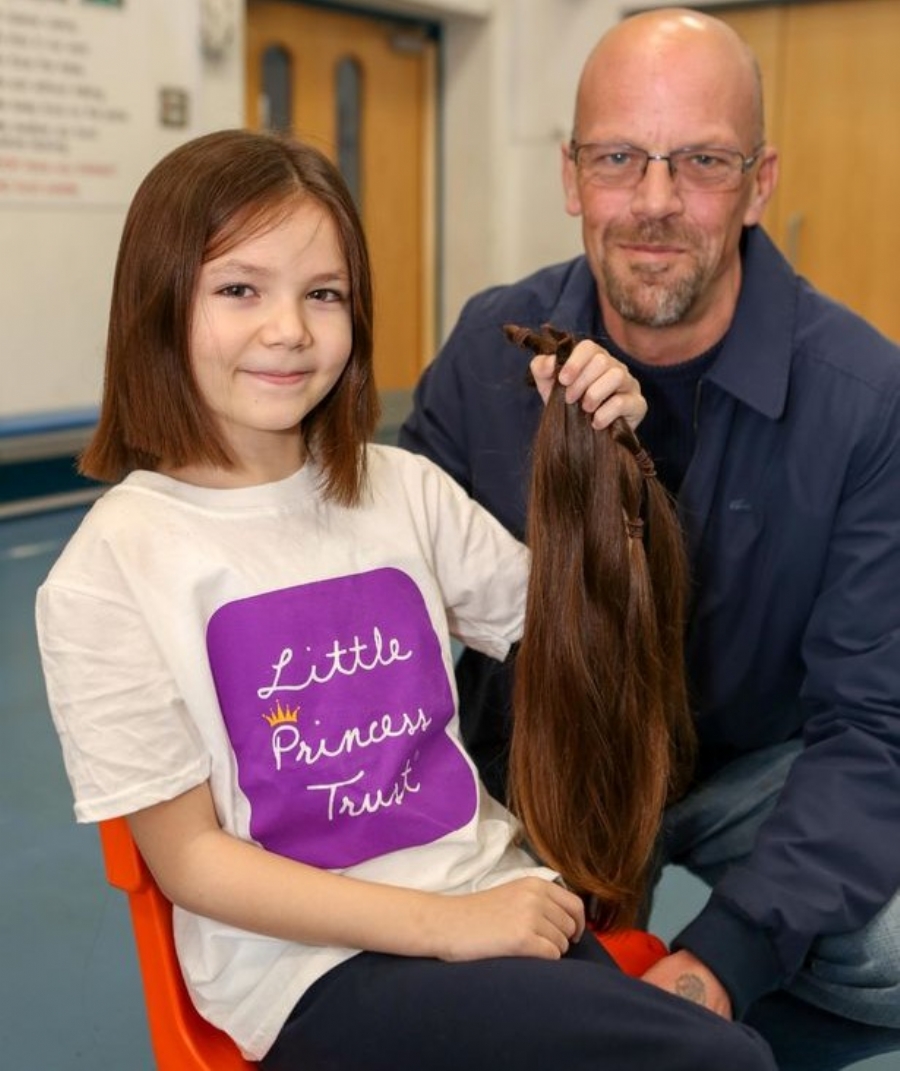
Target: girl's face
[(271, 334)]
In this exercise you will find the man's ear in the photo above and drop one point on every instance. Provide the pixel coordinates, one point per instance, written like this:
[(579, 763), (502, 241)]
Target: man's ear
[(570, 182), (764, 183)]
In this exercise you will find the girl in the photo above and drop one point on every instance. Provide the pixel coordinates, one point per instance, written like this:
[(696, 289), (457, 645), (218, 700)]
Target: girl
[(246, 647)]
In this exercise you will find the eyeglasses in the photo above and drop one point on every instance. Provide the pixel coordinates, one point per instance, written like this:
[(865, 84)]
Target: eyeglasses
[(623, 166)]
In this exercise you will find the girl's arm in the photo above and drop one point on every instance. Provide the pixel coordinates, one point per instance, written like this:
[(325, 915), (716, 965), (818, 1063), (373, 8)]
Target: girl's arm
[(207, 871)]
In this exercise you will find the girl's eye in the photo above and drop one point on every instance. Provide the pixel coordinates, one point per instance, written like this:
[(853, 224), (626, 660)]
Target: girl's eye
[(326, 294), (236, 290)]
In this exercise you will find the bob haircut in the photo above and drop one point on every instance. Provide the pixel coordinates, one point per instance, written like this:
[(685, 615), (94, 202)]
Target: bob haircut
[(198, 202)]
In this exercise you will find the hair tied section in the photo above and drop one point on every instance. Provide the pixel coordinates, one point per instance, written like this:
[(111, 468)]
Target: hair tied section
[(547, 340), (634, 528), (645, 463)]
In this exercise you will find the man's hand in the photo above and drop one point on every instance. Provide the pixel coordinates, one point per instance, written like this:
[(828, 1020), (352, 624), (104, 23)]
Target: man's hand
[(602, 385), (685, 976)]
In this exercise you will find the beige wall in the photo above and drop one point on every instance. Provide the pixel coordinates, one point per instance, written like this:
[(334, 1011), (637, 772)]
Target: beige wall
[(56, 267)]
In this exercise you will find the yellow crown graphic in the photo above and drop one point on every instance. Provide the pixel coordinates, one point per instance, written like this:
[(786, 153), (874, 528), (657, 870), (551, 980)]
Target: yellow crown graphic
[(281, 714)]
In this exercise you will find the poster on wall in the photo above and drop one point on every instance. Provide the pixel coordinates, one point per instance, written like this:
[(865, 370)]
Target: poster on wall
[(90, 92)]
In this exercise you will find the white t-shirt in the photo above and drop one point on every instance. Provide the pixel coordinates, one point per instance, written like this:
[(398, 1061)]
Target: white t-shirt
[(296, 654)]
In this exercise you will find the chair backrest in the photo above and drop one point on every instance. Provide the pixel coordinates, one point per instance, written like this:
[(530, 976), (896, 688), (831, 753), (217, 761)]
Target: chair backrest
[(182, 1040)]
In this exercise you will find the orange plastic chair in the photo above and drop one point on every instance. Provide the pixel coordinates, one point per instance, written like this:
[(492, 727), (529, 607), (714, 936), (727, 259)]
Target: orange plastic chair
[(182, 1039), (635, 951)]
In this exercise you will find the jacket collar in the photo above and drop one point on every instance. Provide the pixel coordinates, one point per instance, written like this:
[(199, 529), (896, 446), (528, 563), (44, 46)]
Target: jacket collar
[(755, 362), (576, 308)]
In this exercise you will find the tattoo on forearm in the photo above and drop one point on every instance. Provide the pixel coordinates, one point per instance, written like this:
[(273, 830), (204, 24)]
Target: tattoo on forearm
[(691, 987)]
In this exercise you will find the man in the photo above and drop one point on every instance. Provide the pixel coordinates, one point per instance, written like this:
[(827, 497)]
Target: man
[(774, 417)]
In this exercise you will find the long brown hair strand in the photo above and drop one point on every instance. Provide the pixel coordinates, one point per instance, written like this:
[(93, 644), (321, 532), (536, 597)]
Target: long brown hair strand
[(602, 733)]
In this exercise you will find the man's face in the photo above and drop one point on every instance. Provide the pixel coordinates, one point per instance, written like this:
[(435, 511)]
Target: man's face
[(661, 254)]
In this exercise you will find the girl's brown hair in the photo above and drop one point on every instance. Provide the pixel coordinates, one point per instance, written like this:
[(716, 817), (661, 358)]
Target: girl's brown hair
[(197, 203), (602, 733)]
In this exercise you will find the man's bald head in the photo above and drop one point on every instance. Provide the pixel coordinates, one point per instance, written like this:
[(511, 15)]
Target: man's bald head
[(675, 47)]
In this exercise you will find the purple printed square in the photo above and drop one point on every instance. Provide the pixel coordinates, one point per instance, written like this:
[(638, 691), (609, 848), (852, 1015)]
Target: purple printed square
[(337, 703)]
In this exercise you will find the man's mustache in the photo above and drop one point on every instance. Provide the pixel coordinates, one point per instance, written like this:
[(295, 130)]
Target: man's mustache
[(653, 233)]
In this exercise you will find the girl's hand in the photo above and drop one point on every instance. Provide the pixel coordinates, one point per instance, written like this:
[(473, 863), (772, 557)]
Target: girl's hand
[(209, 872), (601, 384), (527, 917)]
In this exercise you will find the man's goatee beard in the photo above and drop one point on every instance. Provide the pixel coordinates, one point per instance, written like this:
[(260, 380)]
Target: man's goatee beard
[(656, 303)]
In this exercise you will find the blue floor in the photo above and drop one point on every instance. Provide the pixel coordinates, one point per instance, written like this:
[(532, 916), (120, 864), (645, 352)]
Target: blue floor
[(70, 994)]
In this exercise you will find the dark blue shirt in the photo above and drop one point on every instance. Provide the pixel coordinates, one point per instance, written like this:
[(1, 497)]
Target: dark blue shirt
[(669, 430), (791, 511)]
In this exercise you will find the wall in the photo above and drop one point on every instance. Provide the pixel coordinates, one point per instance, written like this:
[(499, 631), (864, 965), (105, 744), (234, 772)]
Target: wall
[(57, 258)]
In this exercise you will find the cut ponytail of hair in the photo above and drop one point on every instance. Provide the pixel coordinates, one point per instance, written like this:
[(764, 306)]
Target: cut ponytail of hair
[(602, 733)]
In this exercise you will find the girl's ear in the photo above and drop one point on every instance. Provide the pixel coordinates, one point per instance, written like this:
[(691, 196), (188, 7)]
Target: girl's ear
[(570, 182), (764, 183)]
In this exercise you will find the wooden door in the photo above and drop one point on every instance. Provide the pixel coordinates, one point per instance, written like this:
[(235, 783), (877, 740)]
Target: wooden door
[(383, 138), (762, 27), (833, 81)]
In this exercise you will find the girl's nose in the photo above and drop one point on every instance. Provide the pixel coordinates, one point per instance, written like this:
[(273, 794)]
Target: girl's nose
[(286, 326)]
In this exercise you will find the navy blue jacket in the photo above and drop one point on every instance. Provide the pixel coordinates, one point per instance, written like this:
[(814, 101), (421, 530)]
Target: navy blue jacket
[(791, 510)]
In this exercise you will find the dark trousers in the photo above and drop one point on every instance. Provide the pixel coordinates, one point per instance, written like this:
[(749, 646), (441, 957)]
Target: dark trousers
[(391, 1013)]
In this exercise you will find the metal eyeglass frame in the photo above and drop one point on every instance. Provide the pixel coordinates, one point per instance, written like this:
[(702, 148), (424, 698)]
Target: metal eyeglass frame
[(746, 161)]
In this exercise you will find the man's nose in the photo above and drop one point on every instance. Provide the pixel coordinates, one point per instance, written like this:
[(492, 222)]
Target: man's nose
[(657, 193)]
